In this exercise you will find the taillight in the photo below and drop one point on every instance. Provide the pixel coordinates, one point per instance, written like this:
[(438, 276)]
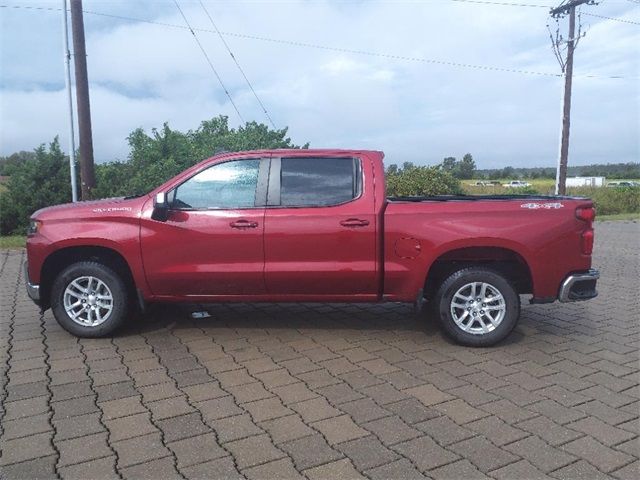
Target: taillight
[(587, 214), (587, 242)]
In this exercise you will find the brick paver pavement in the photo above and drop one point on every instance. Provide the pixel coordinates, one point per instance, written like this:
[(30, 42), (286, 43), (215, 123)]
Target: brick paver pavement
[(327, 391)]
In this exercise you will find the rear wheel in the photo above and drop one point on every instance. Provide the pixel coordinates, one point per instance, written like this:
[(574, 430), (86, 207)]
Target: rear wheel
[(89, 299), (477, 307)]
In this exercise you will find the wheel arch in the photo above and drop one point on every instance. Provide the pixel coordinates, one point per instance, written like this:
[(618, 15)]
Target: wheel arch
[(506, 261), (62, 258)]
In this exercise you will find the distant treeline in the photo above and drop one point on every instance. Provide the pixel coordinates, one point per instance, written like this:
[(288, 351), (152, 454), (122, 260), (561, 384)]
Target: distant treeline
[(609, 170)]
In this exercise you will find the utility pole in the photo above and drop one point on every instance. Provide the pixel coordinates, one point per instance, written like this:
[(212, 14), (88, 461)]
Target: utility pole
[(67, 81), (566, 8), (87, 175)]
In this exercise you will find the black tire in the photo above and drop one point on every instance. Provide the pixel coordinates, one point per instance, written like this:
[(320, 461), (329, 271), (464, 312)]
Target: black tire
[(457, 280), (118, 290)]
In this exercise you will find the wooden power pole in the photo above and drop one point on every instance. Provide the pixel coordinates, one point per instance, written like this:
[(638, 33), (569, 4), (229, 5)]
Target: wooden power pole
[(567, 8), (87, 174)]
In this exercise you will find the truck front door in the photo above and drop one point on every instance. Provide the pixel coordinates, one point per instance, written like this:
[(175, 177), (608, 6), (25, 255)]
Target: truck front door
[(212, 240)]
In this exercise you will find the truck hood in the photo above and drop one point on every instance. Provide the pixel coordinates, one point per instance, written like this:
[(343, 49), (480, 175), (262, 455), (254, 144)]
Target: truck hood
[(123, 206)]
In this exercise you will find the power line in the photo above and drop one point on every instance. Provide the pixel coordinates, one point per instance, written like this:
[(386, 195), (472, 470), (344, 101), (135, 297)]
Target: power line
[(264, 109), (339, 49), (204, 52), (388, 55), (611, 18), (503, 4)]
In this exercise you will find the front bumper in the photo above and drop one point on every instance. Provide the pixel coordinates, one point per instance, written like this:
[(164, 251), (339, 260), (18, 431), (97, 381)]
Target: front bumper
[(579, 286), (33, 290)]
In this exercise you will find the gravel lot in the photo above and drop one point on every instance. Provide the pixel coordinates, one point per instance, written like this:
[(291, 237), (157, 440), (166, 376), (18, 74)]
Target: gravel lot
[(327, 391)]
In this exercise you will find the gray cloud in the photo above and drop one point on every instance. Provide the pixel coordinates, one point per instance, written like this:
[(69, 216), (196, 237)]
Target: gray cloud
[(142, 75)]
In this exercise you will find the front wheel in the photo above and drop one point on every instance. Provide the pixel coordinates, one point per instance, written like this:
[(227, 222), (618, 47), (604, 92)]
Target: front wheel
[(477, 307), (89, 299)]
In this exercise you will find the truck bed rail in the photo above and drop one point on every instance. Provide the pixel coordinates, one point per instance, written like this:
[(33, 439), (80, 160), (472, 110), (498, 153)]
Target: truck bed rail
[(475, 198)]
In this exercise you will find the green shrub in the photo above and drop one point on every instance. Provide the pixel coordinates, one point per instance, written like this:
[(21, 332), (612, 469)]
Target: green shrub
[(422, 181), (611, 201), (38, 182)]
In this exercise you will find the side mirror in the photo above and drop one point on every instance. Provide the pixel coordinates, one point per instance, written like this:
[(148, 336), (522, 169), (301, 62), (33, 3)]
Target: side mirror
[(160, 207)]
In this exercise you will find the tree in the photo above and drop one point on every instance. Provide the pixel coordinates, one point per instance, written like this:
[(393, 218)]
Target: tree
[(407, 166), (13, 161), (465, 168), (39, 181), (392, 169), (507, 172), (449, 164)]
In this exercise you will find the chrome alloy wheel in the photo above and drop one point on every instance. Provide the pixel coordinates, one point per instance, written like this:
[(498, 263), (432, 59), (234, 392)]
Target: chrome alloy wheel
[(478, 308), (88, 301)]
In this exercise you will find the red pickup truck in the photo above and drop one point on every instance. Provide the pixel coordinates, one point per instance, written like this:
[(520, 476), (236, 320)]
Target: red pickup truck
[(309, 226)]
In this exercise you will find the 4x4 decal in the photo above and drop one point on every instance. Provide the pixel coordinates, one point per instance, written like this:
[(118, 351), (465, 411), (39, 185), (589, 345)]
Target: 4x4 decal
[(548, 206)]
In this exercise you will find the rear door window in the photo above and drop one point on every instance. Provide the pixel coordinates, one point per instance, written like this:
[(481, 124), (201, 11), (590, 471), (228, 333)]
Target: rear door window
[(308, 182)]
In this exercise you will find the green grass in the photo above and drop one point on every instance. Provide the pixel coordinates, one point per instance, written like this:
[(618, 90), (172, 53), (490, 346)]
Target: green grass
[(618, 216), (12, 241), (544, 186)]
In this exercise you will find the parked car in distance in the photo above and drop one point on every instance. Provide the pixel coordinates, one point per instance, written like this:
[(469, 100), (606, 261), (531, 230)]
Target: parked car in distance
[(623, 183), (309, 226), (516, 184), (481, 184)]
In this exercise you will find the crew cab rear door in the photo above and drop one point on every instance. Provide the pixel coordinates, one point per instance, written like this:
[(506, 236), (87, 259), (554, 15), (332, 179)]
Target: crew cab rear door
[(212, 240), (320, 228)]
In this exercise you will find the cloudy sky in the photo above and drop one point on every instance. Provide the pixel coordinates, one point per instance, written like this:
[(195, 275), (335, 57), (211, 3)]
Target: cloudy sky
[(305, 60)]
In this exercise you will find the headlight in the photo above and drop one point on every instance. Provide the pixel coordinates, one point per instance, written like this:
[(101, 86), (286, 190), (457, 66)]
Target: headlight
[(34, 226)]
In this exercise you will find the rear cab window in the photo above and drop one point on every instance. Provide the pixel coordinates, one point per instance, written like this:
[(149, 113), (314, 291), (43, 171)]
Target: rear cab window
[(316, 181)]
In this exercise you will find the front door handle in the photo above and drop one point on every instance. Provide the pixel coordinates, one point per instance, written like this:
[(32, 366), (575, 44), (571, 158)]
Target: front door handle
[(243, 224), (354, 222)]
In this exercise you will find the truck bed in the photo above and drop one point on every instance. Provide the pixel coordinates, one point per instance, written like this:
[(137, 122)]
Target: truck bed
[(542, 231)]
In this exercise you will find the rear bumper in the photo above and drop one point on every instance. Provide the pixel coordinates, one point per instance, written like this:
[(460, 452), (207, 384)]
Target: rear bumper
[(579, 286), (33, 290)]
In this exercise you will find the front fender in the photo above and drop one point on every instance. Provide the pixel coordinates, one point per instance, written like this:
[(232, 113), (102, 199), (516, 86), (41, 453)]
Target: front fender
[(121, 237)]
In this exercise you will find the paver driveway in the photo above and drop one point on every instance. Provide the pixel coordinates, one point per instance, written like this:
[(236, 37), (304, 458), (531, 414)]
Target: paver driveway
[(327, 391)]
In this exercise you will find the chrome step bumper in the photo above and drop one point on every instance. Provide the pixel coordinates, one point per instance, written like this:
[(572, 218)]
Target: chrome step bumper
[(579, 286)]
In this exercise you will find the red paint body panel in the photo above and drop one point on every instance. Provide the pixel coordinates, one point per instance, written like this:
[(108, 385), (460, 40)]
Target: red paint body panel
[(305, 253)]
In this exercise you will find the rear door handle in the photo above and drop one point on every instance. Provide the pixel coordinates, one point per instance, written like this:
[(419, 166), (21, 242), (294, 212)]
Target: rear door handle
[(354, 222), (243, 224)]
